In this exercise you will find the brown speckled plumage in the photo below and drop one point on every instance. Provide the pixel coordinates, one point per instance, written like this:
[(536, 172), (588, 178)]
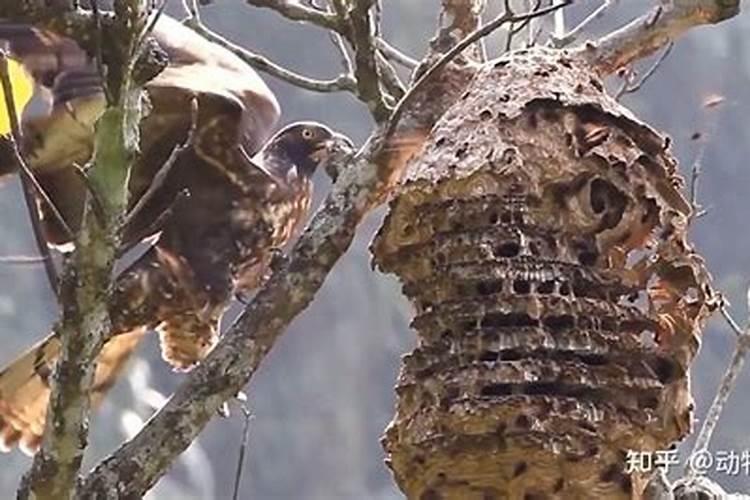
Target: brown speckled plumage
[(223, 209)]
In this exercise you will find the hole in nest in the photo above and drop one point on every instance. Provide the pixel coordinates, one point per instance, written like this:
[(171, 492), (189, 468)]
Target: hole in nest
[(559, 485), (451, 393), (588, 257), (597, 84), (543, 388), (521, 287), (485, 115), (500, 320), (440, 142), (520, 468), (611, 473), (533, 121), (493, 217), (508, 249), (551, 115), (461, 152), (648, 401), (468, 326), (523, 421), (559, 323), (496, 390), (489, 287), (509, 355), (608, 200), (666, 370), (564, 288), (587, 426), (593, 359), (430, 495), (488, 356), (546, 287), (534, 496)]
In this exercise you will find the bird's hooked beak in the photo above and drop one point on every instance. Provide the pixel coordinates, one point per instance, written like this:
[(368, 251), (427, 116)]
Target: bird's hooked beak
[(336, 146), (337, 142)]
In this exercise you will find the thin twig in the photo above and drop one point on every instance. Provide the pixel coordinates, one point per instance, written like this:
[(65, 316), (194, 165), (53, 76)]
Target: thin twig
[(559, 30), (341, 83), (243, 449), (727, 385), (514, 30), (504, 18), (21, 259), (629, 87), (395, 55), (736, 328), (161, 175), (156, 225), (340, 44), (562, 39), (29, 182), (696, 170), (295, 11)]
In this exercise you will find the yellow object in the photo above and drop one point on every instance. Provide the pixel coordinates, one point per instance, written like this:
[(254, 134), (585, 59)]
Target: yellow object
[(23, 90)]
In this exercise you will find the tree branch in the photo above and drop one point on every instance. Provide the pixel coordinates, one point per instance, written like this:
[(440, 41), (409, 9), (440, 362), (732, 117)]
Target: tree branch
[(30, 185), (343, 82), (295, 11), (366, 71), (650, 32), (86, 283), (569, 37), (393, 54)]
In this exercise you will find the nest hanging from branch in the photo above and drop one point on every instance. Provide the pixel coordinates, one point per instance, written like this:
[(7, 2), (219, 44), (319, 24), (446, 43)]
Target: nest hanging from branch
[(541, 237)]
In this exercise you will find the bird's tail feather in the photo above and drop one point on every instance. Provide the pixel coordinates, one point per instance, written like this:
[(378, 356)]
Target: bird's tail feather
[(24, 387)]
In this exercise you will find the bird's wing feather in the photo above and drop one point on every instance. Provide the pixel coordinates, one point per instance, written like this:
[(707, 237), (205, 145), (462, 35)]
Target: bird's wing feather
[(196, 67), (24, 387)]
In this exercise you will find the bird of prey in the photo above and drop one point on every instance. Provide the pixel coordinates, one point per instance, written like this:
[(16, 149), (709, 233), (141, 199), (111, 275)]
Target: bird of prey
[(229, 200)]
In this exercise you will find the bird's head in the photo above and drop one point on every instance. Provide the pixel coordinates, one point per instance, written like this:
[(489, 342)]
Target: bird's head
[(307, 145)]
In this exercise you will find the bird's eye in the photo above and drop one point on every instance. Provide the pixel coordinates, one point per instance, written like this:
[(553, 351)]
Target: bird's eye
[(307, 133)]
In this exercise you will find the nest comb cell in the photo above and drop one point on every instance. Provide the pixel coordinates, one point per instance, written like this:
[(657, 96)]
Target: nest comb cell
[(540, 236)]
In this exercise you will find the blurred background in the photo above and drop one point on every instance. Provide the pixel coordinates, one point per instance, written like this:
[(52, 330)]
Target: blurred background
[(324, 395)]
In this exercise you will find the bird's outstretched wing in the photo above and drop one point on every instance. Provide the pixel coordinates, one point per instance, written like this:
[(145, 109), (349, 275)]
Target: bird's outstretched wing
[(181, 284), (232, 100), (24, 387)]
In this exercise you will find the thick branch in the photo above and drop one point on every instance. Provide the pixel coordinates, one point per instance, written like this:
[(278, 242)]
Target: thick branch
[(650, 32), (86, 284), (366, 69)]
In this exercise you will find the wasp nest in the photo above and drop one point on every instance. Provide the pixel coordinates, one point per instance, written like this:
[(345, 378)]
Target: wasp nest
[(540, 236)]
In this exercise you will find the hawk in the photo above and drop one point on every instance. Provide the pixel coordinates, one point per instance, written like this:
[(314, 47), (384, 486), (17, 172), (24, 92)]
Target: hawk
[(230, 199)]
